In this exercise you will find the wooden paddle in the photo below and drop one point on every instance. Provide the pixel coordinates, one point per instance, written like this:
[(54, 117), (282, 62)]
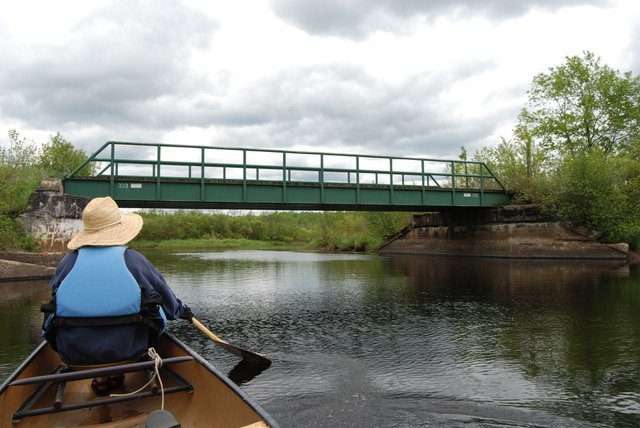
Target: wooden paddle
[(248, 356)]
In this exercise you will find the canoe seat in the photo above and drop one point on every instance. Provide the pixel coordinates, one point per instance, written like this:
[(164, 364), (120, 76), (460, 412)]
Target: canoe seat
[(58, 379)]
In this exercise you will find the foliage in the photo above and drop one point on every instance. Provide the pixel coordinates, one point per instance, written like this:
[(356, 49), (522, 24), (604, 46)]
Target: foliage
[(59, 158), (19, 173), (598, 191), (20, 153), (328, 230), (519, 163), (217, 245), (12, 236), (22, 166), (583, 105), (576, 148)]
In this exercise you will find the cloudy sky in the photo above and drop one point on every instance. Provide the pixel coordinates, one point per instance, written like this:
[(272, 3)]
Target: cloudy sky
[(401, 77)]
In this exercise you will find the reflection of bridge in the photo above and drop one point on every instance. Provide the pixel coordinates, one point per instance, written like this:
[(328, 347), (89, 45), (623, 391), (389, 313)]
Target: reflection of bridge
[(150, 175)]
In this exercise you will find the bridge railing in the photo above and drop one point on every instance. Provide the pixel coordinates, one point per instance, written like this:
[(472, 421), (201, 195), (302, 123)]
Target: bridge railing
[(117, 159)]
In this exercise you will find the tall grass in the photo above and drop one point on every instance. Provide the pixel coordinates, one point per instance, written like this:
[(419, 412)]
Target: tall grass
[(344, 231)]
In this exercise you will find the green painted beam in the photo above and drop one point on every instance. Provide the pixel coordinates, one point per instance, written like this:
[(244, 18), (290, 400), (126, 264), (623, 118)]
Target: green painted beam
[(431, 184), (232, 194)]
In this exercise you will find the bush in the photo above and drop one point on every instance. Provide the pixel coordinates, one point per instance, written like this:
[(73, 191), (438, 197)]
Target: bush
[(328, 230), (599, 191), (12, 237)]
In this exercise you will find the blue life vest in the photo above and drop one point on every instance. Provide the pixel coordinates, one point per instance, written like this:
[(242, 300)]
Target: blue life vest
[(98, 313), (99, 285)]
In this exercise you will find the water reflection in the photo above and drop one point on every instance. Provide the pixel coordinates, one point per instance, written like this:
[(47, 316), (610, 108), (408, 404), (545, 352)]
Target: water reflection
[(571, 329), (19, 321), (364, 341)]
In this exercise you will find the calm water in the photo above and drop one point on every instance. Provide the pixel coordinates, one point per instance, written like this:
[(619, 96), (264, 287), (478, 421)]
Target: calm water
[(365, 341)]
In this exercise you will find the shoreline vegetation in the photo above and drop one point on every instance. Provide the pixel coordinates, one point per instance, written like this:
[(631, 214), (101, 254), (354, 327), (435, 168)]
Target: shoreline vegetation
[(176, 245), (306, 231), (575, 151)]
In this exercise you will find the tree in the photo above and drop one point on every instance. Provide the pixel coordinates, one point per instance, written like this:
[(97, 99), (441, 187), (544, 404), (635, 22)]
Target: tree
[(20, 152), (519, 163), (19, 173), (581, 105), (59, 158)]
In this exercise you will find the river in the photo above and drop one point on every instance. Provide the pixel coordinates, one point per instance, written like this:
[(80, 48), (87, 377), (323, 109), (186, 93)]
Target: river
[(406, 341)]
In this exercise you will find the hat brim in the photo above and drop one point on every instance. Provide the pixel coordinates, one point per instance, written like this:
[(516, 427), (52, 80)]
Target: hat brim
[(128, 228)]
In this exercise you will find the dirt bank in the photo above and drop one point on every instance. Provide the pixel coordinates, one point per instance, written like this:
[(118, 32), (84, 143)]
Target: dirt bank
[(50, 259), (13, 271)]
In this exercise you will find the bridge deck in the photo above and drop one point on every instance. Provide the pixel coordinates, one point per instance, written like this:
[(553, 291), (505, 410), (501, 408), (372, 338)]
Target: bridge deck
[(225, 182)]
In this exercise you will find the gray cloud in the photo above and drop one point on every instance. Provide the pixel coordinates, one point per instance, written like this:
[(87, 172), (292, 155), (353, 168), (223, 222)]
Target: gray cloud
[(341, 107), (634, 50), (117, 79), (357, 18), (116, 62)]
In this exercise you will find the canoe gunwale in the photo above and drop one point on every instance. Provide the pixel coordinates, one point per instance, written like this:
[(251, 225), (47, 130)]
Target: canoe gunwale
[(228, 382), (22, 366)]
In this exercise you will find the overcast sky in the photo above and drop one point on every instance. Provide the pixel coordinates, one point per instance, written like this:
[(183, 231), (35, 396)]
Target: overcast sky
[(401, 77)]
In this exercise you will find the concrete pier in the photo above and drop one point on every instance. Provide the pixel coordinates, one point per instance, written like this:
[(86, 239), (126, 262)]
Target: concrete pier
[(511, 232), (52, 216)]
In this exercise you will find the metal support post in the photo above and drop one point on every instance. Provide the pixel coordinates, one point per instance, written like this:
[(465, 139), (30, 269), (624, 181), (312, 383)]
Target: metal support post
[(321, 178), (284, 176), (111, 170), (422, 189), (357, 179), (453, 183), (202, 174), (391, 180), (158, 157), (244, 175)]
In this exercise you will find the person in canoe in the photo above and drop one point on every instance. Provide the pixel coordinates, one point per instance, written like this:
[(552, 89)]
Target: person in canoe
[(109, 303)]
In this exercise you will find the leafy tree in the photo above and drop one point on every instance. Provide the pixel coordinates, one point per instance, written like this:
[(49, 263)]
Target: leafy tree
[(576, 148), (519, 163), (59, 158), (22, 166), (19, 173), (20, 152), (582, 105), (599, 191)]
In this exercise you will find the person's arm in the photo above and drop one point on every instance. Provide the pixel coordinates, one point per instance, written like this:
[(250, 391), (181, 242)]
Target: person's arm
[(63, 269), (152, 281)]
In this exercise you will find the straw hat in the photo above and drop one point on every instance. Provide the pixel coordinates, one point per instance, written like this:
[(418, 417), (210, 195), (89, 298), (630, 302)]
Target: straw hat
[(105, 225)]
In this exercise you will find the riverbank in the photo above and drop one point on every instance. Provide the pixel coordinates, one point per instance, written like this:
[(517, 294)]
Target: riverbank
[(13, 271), (517, 231), (218, 244)]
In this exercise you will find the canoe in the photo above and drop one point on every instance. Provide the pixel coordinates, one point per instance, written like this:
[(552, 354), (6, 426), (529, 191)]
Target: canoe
[(43, 392)]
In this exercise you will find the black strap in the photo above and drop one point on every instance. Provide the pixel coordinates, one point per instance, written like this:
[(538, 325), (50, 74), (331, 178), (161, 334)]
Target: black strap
[(48, 308), (98, 321)]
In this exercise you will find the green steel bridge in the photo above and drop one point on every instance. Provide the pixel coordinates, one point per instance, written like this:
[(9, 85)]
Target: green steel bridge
[(145, 175)]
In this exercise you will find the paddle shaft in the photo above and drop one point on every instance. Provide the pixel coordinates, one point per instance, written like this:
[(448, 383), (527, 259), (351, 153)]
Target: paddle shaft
[(249, 356)]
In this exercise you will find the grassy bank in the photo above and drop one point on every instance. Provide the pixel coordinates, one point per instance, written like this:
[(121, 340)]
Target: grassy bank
[(217, 245), (327, 231)]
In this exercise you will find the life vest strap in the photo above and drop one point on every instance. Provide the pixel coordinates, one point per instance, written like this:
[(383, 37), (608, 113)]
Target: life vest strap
[(99, 321)]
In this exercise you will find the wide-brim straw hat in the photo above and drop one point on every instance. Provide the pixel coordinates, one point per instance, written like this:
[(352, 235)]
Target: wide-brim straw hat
[(104, 225)]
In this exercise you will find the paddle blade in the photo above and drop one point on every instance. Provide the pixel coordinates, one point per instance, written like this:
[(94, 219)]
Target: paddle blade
[(245, 371), (250, 357)]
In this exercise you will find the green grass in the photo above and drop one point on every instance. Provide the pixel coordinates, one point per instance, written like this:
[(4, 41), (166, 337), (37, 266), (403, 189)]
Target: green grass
[(217, 244)]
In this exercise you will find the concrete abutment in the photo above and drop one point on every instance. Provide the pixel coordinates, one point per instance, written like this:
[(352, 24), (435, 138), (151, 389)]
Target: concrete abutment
[(52, 217), (515, 231)]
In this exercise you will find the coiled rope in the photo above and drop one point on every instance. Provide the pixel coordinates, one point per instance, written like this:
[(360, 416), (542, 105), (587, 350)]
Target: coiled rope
[(157, 363)]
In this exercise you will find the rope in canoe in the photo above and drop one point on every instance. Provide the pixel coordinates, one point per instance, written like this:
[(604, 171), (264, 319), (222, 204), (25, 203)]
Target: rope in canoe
[(157, 363)]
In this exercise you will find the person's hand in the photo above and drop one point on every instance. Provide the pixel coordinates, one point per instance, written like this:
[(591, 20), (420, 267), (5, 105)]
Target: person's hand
[(187, 313)]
